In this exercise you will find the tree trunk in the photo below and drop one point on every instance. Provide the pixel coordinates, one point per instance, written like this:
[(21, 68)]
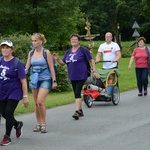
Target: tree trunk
[(35, 26)]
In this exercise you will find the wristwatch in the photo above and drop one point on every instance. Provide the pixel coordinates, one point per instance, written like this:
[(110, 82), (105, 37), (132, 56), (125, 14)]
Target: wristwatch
[(54, 81)]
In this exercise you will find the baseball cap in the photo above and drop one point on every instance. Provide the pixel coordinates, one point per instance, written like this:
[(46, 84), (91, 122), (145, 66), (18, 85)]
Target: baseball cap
[(7, 42)]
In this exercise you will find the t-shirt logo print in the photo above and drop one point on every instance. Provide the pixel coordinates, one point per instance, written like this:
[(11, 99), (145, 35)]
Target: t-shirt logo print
[(71, 59), (108, 50), (3, 73)]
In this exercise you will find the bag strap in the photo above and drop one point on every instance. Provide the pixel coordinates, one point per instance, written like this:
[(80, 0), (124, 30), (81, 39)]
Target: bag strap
[(148, 53), (82, 50), (86, 61), (31, 53), (1, 58), (44, 53), (15, 62)]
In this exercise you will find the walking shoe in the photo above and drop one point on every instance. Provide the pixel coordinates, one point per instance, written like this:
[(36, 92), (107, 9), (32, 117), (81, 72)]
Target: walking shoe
[(76, 115), (140, 94), (19, 131), (145, 93), (37, 128), (80, 112), (6, 141)]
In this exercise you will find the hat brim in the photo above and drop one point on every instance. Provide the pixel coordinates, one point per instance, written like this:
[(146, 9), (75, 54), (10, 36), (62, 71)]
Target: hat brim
[(6, 43)]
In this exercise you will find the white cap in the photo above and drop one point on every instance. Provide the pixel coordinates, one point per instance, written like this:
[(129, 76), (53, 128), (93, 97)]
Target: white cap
[(7, 42)]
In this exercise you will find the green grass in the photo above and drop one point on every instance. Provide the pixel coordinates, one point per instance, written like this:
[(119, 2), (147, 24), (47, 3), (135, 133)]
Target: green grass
[(127, 81), (53, 100)]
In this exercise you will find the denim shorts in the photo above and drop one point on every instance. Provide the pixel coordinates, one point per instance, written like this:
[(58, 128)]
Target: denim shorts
[(46, 84)]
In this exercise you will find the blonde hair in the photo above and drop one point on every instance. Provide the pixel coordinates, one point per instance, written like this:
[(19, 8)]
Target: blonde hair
[(40, 37)]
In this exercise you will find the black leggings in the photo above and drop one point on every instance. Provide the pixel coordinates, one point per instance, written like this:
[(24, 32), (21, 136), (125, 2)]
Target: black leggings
[(77, 87), (7, 108)]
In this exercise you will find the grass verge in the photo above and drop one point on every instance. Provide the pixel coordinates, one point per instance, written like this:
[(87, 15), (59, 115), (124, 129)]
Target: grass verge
[(127, 81)]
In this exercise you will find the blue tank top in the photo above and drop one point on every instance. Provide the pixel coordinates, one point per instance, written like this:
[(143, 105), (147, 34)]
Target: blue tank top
[(41, 67)]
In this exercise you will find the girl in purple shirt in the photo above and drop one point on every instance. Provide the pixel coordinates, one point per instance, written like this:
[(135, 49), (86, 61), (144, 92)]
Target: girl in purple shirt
[(13, 88)]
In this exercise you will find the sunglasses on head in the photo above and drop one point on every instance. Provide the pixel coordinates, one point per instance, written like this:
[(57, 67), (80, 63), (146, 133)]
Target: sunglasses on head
[(36, 33), (8, 41)]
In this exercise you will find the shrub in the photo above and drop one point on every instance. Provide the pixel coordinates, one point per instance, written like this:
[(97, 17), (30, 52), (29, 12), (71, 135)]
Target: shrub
[(126, 52), (127, 49), (22, 44), (62, 80)]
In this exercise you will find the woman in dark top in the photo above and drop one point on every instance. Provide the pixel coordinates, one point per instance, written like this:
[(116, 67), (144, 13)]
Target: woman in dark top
[(13, 88), (77, 69)]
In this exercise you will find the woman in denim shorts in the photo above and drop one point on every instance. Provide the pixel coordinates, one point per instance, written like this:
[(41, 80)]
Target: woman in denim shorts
[(42, 78)]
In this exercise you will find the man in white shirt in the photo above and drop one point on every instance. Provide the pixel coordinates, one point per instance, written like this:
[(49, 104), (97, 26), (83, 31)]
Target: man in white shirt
[(110, 51)]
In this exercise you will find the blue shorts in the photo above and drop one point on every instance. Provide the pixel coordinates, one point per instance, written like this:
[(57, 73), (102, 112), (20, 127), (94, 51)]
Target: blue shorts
[(46, 84)]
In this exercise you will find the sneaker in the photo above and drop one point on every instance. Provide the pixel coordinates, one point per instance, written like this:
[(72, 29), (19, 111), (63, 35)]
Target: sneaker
[(145, 93), (6, 141), (140, 94), (76, 115), (19, 131), (80, 112)]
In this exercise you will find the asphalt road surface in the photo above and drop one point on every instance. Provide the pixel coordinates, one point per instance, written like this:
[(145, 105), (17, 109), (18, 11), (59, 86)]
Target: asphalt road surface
[(104, 127)]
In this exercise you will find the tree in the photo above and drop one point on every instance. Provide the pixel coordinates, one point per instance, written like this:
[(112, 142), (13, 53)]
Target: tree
[(107, 15), (56, 19), (145, 28), (104, 14)]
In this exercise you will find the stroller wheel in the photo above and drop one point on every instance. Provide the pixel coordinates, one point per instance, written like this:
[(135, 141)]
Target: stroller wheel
[(88, 100), (85, 99), (115, 95)]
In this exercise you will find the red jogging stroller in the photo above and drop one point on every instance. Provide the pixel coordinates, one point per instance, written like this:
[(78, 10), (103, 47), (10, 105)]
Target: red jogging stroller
[(105, 89)]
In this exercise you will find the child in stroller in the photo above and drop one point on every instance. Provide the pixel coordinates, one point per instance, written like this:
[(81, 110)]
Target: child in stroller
[(103, 89)]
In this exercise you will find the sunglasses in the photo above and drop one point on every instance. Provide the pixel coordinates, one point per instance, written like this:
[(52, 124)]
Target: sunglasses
[(8, 41), (36, 34)]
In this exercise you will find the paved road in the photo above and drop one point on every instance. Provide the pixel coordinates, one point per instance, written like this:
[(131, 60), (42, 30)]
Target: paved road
[(104, 127)]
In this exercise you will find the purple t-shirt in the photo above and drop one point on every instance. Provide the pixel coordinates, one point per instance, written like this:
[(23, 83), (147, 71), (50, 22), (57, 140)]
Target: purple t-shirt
[(77, 69), (10, 85)]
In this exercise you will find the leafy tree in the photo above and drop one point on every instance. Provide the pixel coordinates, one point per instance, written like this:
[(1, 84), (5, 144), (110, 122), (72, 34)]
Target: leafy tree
[(145, 28), (105, 16), (56, 19)]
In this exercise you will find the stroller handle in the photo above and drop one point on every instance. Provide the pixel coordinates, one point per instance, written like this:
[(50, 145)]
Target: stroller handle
[(103, 61)]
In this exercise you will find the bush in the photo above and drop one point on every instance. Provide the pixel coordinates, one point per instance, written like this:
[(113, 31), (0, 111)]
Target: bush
[(62, 80), (127, 49), (22, 44), (126, 52)]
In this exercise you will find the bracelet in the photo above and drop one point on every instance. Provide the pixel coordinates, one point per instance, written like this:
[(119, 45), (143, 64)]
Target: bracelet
[(94, 72), (25, 96)]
